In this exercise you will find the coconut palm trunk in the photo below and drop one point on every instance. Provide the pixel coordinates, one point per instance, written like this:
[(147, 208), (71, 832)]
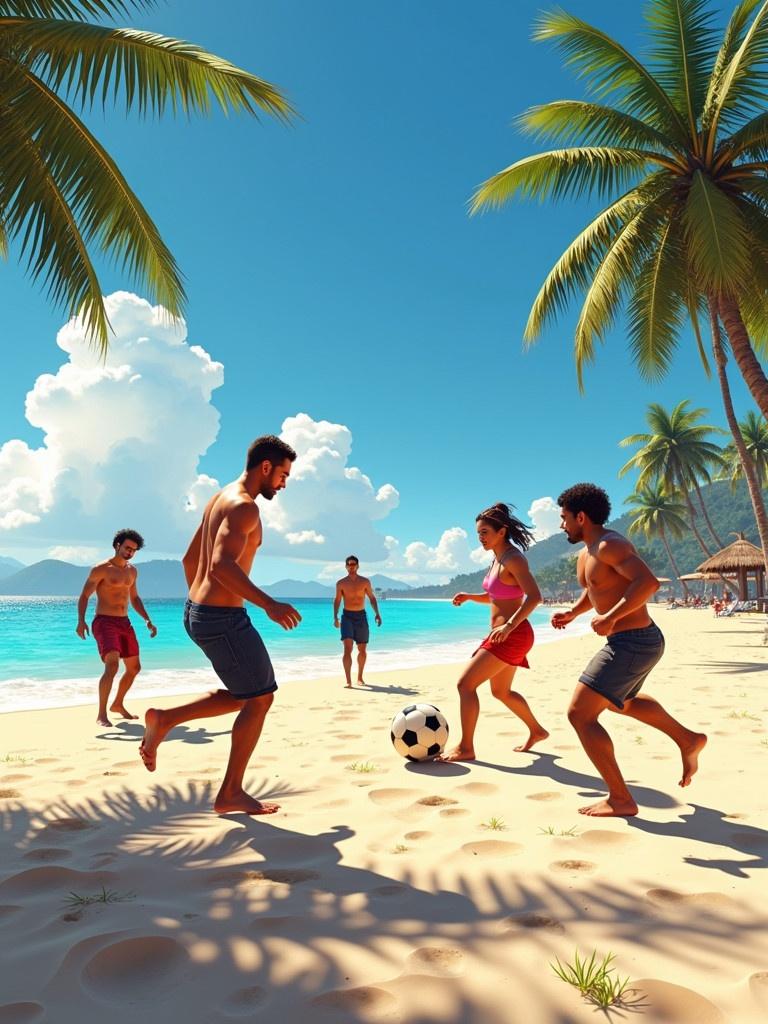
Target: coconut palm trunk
[(707, 520), (750, 472), (673, 563), (743, 353), (692, 517)]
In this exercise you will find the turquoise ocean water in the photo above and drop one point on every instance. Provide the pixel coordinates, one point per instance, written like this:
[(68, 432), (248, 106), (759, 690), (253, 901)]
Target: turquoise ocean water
[(43, 663)]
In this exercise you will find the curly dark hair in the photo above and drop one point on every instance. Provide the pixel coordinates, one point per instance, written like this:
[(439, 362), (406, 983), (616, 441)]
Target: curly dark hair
[(499, 515), (123, 535), (589, 499), (268, 448)]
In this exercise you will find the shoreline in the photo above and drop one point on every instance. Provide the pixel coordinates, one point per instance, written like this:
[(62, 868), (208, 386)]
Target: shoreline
[(78, 691)]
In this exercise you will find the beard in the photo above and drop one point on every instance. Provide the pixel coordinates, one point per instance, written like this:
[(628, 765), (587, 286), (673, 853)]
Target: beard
[(573, 540)]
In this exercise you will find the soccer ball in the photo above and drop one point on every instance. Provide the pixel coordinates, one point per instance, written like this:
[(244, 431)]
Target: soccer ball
[(419, 732)]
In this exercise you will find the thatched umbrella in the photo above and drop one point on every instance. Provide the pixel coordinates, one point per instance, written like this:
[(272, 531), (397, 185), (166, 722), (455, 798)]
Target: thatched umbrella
[(740, 557)]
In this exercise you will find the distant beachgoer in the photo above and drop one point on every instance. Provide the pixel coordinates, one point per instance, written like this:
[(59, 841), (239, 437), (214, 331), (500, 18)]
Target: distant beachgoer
[(216, 566), (617, 584), (512, 593), (114, 583), (352, 591)]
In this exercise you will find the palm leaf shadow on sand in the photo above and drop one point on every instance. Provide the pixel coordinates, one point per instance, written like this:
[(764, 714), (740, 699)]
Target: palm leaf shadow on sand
[(247, 900)]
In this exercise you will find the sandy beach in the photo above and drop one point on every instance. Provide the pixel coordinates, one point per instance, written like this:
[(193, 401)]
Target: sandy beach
[(389, 892)]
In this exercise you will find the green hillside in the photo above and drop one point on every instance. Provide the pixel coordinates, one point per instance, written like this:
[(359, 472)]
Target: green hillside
[(730, 511)]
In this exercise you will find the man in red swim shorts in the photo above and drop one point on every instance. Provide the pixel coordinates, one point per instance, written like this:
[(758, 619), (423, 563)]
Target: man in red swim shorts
[(114, 583)]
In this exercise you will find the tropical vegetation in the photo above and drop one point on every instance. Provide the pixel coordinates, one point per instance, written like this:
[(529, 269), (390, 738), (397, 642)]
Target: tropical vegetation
[(679, 148), (63, 199), (657, 512)]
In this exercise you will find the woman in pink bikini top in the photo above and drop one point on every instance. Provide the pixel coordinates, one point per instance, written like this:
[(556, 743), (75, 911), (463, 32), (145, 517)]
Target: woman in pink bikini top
[(512, 592)]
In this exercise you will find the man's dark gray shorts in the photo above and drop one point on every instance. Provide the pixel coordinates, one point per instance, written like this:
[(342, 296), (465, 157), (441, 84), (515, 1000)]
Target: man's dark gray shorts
[(354, 626), (619, 670), (227, 638)]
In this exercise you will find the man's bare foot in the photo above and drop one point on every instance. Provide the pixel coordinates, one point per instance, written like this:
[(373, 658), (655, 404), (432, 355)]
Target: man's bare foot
[(457, 754), (361, 682), (536, 737), (103, 720), (610, 808), (347, 686), (119, 709), (691, 758), (154, 734), (241, 803)]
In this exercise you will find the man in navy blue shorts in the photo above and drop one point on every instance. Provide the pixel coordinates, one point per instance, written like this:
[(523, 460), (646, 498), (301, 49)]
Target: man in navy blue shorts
[(616, 585), (216, 565), (353, 590)]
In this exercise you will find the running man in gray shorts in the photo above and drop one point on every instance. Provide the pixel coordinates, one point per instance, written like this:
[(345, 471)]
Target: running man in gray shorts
[(216, 565), (617, 584)]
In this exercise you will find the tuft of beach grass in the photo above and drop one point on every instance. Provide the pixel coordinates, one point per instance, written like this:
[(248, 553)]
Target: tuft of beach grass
[(74, 899), (593, 978)]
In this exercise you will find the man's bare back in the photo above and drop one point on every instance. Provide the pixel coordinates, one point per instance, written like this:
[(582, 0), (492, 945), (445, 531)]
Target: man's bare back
[(232, 502), (598, 571)]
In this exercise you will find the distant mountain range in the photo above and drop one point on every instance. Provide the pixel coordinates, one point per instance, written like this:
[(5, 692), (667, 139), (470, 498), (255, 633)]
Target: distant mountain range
[(8, 566), (160, 578), (729, 510)]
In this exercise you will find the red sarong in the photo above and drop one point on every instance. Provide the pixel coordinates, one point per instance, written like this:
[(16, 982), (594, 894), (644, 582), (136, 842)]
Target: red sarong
[(514, 649)]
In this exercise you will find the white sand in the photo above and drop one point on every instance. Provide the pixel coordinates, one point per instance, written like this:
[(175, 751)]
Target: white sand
[(384, 895)]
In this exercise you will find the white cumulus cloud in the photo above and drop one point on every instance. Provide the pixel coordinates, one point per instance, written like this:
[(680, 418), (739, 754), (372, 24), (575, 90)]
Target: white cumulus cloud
[(328, 508), (544, 513), (121, 437)]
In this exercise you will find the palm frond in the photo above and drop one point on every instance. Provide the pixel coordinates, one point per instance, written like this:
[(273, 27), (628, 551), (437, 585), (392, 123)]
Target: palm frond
[(716, 237), (742, 88), (732, 40), (591, 123), (147, 70), (3, 241), (694, 304), (71, 8), (37, 212), (573, 271), (611, 280), (750, 140), (656, 309), (683, 49), (104, 210), (562, 172), (611, 70)]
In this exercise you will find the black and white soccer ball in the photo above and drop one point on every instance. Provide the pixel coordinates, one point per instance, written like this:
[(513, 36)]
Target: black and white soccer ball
[(419, 732)]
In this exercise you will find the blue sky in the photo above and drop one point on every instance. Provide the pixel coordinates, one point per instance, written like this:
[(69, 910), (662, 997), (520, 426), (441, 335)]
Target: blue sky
[(332, 269)]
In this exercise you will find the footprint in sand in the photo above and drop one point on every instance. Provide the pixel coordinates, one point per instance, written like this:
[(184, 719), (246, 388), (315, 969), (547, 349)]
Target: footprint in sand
[(491, 848), (279, 876), (436, 801), (350, 757), (9, 794), (714, 902), (14, 777), (531, 920), (40, 881), (421, 834), (276, 924), (478, 789), (548, 794), (573, 866), (440, 961), (66, 825), (101, 860), (136, 970), (454, 812), (48, 853), (49, 760), (391, 796), (603, 837), (365, 1003), (244, 1001), (758, 987), (666, 1003), (749, 840), (388, 891), (21, 1013)]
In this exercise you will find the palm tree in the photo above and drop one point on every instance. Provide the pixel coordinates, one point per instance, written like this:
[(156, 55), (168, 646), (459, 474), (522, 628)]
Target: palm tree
[(62, 197), (677, 453), (680, 147), (754, 432), (656, 512), (748, 452)]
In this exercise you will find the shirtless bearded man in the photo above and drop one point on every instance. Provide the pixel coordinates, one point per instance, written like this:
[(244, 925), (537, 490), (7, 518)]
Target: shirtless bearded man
[(217, 564), (617, 584), (114, 583), (353, 590)]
